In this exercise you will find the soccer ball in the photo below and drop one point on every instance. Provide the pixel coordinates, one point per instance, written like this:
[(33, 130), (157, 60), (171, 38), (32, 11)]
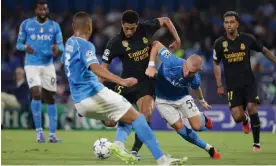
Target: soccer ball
[(101, 148)]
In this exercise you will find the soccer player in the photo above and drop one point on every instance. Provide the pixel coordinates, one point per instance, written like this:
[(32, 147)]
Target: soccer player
[(132, 46), (41, 39), (234, 50), (173, 101), (93, 100)]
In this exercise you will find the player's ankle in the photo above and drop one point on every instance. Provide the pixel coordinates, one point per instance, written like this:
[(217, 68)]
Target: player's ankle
[(258, 145)]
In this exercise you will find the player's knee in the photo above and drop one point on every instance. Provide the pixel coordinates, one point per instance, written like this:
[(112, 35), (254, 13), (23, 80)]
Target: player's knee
[(36, 94), (50, 98), (237, 118), (252, 108), (197, 126), (237, 114), (147, 113), (178, 125), (109, 123), (196, 122)]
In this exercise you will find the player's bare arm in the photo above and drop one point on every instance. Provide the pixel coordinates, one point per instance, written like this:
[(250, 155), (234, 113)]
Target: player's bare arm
[(105, 67), (151, 70), (199, 96), (56, 50), (100, 72), (268, 54), (217, 72), (166, 22)]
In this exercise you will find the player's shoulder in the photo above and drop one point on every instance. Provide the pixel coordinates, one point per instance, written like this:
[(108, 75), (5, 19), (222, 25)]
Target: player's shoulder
[(246, 35), (53, 23), (84, 44), (113, 42), (219, 40), (196, 78), (28, 20)]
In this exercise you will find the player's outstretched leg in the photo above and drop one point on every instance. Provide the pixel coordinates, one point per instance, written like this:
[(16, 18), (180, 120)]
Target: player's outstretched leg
[(191, 136), (255, 125), (146, 135), (52, 114), (36, 111), (123, 131), (145, 106)]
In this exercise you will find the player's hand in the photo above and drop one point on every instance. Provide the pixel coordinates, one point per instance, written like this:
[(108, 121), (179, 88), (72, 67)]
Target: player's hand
[(220, 91), (206, 105), (29, 49), (54, 49), (175, 45), (128, 82), (151, 71)]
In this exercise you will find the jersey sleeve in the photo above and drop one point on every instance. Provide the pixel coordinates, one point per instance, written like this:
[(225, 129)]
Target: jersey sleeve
[(20, 44), (152, 26), (62, 59), (167, 58), (255, 45), (217, 53), (88, 54), (59, 38), (196, 82), (110, 52)]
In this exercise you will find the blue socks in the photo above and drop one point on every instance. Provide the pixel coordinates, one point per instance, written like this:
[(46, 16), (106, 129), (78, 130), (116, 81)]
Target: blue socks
[(52, 113), (146, 135), (123, 131), (202, 127), (191, 136), (36, 110)]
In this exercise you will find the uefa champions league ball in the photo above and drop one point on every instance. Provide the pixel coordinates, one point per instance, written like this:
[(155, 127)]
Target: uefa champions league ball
[(101, 148)]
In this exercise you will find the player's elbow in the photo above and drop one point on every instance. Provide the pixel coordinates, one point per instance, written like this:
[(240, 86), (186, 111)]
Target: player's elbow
[(20, 46), (61, 48), (157, 45), (165, 21)]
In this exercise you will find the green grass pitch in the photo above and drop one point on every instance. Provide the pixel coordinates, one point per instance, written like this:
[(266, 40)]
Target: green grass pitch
[(19, 147)]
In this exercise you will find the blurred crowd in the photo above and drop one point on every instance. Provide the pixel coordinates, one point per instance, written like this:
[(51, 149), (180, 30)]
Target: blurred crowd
[(198, 27)]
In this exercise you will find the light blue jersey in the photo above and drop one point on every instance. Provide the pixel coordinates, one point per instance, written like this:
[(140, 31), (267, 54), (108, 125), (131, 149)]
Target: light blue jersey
[(40, 37), (170, 82), (77, 57)]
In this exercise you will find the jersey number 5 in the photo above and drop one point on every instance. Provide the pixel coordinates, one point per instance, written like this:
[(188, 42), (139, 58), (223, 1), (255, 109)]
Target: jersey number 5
[(191, 103)]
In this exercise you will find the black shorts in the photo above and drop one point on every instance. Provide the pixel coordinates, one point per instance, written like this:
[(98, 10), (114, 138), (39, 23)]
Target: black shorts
[(242, 96), (133, 94)]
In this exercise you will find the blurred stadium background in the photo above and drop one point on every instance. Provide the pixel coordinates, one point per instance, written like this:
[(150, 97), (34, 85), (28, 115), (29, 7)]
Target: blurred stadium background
[(199, 23)]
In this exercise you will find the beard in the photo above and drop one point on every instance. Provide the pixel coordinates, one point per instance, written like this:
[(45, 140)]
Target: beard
[(42, 19)]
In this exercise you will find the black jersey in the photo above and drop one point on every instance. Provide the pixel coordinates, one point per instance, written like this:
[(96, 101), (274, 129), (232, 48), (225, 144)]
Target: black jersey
[(133, 52), (235, 55)]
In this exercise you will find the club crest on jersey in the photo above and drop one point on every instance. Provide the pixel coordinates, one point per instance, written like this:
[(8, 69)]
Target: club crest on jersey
[(225, 45), (242, 46), (145, 40), (126, 45)]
